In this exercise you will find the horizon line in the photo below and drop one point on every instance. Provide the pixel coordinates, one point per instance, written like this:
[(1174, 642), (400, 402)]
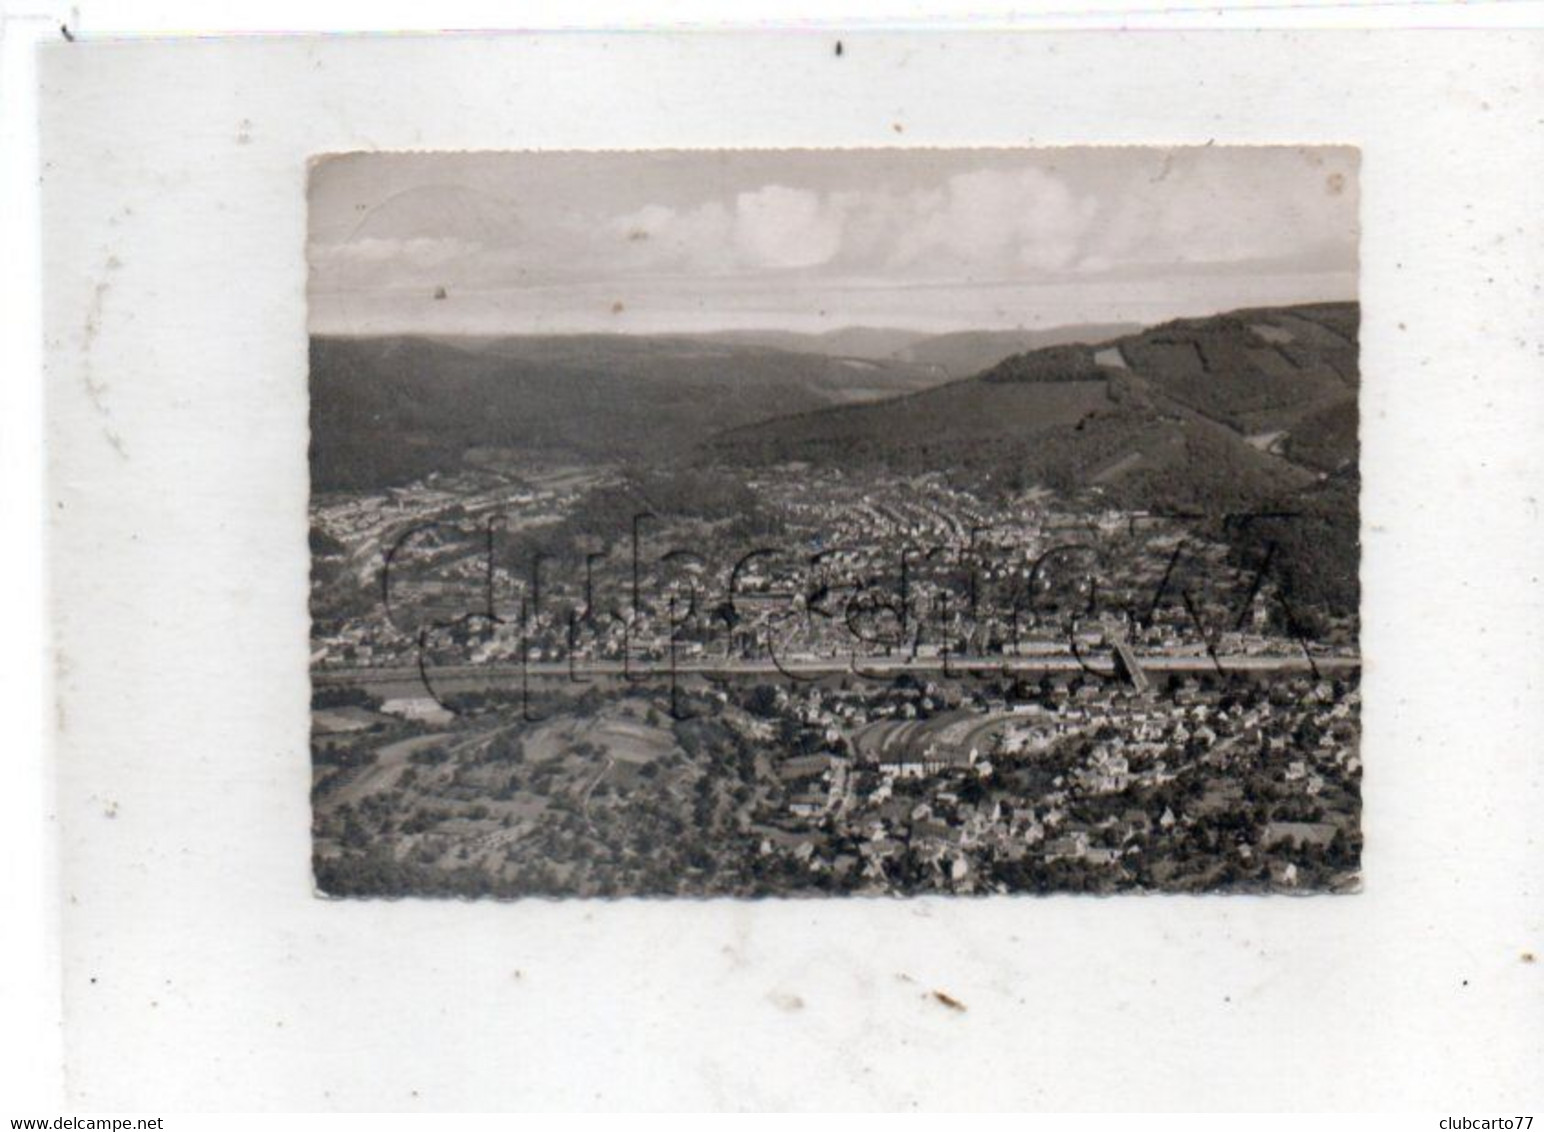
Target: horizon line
[(407, 332)]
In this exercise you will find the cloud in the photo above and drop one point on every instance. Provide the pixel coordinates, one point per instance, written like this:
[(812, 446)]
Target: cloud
[(419, 251), (1279, 206), (779, 227), (389, 260), (774, 227), (864, 233), (992, 220), (986, 221), (660, 238)]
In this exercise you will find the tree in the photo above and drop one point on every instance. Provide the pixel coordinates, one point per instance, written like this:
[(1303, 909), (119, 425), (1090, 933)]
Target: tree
[(762, 701)]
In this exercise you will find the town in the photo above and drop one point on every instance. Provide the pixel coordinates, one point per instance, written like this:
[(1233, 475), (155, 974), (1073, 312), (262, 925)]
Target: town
[(545, 680)]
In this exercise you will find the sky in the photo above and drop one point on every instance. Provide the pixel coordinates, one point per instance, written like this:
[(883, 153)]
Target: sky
[(811, 240)]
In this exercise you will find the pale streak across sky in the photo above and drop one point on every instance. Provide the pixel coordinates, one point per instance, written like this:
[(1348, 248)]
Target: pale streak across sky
[(811, 240)]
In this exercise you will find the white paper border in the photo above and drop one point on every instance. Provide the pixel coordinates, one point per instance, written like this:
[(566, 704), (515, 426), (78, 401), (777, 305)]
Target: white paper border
[(178, 588)]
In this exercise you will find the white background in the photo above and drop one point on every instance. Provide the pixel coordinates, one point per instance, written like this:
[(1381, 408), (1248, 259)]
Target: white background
[(199, 971)]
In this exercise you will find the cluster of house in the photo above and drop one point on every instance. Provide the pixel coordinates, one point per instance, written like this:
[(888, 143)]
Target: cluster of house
[(354, 518), (1136, 739), (858, 530)]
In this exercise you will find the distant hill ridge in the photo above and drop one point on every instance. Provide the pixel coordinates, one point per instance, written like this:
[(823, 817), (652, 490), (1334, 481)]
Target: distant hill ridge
[(389, 409), (968, 352), (958, 353), (1253, 410), (1278, 384)]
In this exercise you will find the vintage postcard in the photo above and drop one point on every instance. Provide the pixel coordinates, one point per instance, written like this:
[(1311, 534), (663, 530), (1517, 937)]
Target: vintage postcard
[(786, 522), (808, 569)]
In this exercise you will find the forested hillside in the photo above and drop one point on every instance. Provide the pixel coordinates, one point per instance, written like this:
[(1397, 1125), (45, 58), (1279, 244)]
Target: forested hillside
[(1247, 411), (388, 410)]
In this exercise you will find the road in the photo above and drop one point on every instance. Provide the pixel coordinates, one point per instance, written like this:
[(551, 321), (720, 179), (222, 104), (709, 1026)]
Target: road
[(1152, 664)]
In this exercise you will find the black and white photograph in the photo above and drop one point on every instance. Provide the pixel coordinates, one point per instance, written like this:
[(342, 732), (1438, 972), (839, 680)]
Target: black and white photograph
[(835, 522), (689, 564)]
